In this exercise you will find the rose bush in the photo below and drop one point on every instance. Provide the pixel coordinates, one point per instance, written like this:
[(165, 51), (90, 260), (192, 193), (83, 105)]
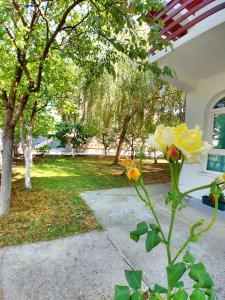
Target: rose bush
[(179, 144)]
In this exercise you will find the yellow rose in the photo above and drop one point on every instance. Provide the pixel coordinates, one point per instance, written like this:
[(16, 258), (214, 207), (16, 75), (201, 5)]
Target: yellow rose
[(163, 137), (133, 174), (190, 143)]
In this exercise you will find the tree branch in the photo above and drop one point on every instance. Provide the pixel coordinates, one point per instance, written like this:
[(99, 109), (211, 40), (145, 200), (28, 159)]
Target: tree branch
[(23, 19), (20, 108), (4, 97), (77, 25), (49, 43)]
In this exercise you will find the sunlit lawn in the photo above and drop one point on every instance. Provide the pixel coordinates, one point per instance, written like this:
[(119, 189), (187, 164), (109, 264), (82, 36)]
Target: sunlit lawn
[(53, 208)]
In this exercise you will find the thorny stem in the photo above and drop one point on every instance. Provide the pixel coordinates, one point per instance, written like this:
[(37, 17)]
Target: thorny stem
[(149, 204), (175, 171), (196, 235)]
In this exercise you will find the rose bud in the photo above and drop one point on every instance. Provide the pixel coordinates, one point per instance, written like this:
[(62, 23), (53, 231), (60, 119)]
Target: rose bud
[(133, 174), (172, 154)]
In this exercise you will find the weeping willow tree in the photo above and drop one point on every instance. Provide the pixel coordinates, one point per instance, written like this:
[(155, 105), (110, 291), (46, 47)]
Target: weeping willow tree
[(128, 106)]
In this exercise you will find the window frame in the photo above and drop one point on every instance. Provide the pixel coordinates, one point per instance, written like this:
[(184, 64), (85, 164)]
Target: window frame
[(212, 113)]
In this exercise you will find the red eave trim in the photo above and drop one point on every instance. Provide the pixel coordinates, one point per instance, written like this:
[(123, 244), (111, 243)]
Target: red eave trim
[(173, 29)]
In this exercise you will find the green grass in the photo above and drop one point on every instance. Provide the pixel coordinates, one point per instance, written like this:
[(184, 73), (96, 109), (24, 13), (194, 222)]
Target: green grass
[(53, 208)]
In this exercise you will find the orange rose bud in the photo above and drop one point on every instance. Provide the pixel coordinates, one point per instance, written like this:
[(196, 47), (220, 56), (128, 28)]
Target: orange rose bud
[(133, 174), (172, 154)]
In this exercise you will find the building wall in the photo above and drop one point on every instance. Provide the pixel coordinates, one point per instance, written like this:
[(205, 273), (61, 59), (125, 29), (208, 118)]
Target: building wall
[(199, 102)]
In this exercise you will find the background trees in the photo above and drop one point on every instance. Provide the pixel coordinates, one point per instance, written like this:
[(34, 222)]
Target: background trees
[(37, 35), (130, 104)]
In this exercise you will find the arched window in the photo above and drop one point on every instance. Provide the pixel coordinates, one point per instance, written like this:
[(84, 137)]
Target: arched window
[(216, 157)]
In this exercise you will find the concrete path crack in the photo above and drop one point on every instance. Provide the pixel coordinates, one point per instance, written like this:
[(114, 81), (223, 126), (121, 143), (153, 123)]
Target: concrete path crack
[(126, 260)]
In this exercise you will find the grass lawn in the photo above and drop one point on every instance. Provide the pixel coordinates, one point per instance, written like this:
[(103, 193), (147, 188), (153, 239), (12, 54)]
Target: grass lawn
[(53, 208)]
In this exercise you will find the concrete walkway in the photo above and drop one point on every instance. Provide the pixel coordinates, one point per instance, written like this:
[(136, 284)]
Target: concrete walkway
[(87, 266)]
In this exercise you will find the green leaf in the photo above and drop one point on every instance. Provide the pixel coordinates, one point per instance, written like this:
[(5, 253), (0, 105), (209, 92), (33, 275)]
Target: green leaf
[(154, 227), (173, 197), (137, 296), (179, 284), (197, 295), (152, 240), (121, 292), (167, 71), (134, 235), (156, 297), (153, 297), (159, 289), (142, 228), (180, 295), (199, 274), (169, 198), (211, 294), (188, 258), (175, 272), (134, 279), (155, 69)]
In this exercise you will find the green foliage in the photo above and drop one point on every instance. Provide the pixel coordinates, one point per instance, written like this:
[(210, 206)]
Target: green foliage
[(80, 133), (202, 282), (198, 295), (188, 258), (175, 272), (198, 273), (44, 149), (137, 296), (159, 289), (180, 295), (152, 240), (134, 279), (122, 293), (134, 100)]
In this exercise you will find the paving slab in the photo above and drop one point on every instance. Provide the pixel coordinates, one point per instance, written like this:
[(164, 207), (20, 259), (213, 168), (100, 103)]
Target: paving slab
[(82, 267), (119, 211), (88, 266)]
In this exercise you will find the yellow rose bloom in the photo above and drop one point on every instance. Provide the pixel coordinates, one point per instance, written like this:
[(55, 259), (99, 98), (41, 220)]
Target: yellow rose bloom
[(133, 174), (188, 141), (163, 137)]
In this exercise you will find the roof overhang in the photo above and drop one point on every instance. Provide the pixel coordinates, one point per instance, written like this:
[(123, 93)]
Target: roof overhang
[(198, 54), (197, 59)]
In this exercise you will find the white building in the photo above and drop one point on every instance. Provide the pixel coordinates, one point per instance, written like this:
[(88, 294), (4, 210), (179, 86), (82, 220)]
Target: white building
[(197, 29)]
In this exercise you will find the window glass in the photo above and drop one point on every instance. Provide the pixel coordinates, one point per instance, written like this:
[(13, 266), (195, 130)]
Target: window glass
[(218, 134), (216, 163), (220, 104)]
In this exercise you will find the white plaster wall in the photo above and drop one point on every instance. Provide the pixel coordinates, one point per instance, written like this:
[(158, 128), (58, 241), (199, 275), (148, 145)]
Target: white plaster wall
[(199, 101)]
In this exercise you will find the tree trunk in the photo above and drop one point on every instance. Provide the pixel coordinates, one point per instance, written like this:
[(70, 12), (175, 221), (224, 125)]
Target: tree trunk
[(105, 151), (1, 143), (27, 151), (122, 138), (155, 157), (6, 178), (28, 159)]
